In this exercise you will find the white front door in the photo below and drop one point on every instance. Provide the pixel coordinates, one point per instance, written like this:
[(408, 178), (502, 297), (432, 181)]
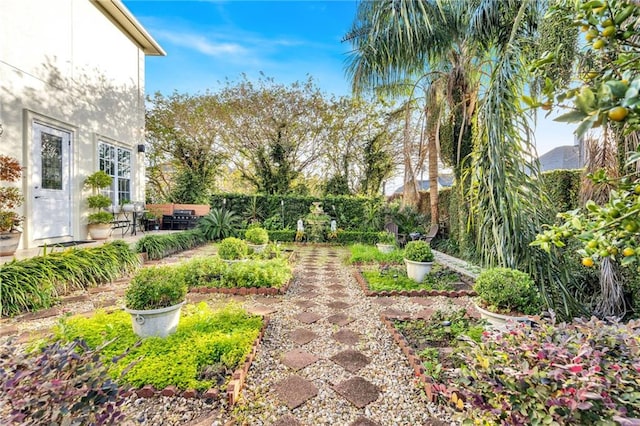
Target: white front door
[(51, 182)]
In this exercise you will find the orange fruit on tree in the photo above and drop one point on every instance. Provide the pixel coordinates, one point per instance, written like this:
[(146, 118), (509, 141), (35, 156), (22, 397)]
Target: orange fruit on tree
[(598, 44), (628, 251), (618, 113), (609, 31), (587, 261)]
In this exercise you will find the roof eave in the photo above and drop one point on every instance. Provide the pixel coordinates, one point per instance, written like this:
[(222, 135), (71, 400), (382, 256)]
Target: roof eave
[(129, 25)]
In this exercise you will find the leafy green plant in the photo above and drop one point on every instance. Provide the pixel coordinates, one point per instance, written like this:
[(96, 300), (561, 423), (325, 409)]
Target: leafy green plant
[(418, 251), (34, 283), (508, 290), (256, 235), (232, 248), (97, 201), (61, 383), (208, 344), (10, 197), (204, 271), (156, 287), (361, 253), (219, 224), (585, 372), (389, 278), (386, 237), (258, 273), (159, 246)]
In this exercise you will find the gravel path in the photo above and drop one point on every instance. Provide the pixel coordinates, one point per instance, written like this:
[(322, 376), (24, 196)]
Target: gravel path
[(326, 358)]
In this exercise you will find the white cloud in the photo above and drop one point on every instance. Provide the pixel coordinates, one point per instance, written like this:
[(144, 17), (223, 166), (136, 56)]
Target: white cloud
[(202, 44)]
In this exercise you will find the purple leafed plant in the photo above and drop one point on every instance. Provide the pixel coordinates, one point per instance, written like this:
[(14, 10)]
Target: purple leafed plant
[(56, 383)]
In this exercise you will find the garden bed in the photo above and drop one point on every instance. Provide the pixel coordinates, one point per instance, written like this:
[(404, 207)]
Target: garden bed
[(215, 349), (429, 343), (390, 280)]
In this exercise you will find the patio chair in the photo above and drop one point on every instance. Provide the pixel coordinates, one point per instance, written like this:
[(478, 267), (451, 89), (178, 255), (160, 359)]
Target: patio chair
[(401, 239), (433, 231)]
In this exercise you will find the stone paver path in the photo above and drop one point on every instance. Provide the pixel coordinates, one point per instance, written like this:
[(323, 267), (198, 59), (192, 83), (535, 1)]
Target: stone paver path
[(326, 358)]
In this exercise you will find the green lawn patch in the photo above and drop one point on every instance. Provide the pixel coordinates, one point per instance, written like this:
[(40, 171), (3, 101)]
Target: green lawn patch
[(395, 278), (213, 272), (361, 253), (203, 352)]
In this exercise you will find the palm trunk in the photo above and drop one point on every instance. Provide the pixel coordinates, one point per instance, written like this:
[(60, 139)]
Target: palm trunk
[(434, 125)]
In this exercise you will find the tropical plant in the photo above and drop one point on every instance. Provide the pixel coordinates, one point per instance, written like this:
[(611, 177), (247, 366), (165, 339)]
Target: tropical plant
[(232, 248), (418, 251), (219, 224), (10, 197), (256, 235), (505, 290), (58, 384), (156, 287), (97, 181)]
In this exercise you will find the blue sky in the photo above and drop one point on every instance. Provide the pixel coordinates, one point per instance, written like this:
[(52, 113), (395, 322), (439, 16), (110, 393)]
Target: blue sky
[(208, 41)]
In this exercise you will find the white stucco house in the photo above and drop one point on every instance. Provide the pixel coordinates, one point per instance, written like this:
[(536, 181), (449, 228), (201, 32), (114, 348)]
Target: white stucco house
[(71, 103)]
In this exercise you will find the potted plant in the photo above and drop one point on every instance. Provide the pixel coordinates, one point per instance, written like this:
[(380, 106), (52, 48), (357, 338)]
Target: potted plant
[(152, 219), (99, 221), (233, 249), (506, 294), (154, 299), (418, 258), (257, 238), (386, 242), (10, 198)]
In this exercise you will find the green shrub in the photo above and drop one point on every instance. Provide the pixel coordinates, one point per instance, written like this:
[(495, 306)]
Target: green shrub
[(232, 249), (583, 373), (361, 253), (256, 235), (156, 287), (208, 345), (34, 283), (508, 290), (351, 237), (204, 271), (285, 236), (58, 384), (258, 273), (418, 251), (159, 246), (386, 237)]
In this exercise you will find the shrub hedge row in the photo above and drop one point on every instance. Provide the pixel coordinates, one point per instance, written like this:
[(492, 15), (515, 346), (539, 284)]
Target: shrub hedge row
[(351, 213), (159, 246)]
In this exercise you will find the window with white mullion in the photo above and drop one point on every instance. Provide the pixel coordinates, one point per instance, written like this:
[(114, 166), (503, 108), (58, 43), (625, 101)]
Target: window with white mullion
[(116, 162)]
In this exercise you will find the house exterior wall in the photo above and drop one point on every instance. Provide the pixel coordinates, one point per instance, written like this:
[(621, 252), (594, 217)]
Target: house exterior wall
[(63, 63)]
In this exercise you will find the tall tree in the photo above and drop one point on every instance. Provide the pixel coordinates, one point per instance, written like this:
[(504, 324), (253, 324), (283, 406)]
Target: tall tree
[(184, 147), (273, 132)]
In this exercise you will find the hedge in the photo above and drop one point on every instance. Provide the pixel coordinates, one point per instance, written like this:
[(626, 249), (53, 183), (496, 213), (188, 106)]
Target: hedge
[(563, 188), (351, 237), (351, 212), (284, 236), (159, 246)]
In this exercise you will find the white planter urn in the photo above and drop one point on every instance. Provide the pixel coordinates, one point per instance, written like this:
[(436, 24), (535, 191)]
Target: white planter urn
[(155, 322), (385, 248), (128, 207), (417, 270), (500, 321), (99, 231), (9, 242), (257, 248)]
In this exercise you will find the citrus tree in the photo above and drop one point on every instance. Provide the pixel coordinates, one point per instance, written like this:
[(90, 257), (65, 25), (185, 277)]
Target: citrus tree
[(608, 94)]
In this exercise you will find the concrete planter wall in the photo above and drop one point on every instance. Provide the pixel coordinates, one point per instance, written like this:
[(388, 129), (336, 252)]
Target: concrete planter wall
[(385, 248)]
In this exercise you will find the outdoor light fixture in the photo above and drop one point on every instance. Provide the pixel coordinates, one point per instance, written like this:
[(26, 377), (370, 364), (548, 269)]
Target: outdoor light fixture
[(142, 148)]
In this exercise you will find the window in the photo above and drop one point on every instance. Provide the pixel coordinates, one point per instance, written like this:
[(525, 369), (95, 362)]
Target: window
[(116, 162)]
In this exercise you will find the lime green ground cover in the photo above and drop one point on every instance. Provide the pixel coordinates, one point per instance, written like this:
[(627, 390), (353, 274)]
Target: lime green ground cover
[(205, 349)]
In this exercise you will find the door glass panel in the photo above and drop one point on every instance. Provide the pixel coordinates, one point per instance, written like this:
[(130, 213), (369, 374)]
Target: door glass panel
[(51, 161)]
